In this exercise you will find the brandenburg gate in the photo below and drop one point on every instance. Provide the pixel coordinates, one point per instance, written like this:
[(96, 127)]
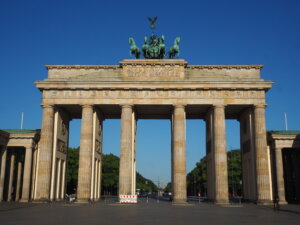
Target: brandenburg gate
[(153, 89)]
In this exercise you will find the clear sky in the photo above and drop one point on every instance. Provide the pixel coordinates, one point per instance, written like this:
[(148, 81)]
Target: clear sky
[(36, 33)]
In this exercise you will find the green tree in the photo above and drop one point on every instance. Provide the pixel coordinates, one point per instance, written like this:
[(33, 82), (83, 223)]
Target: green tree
[(72, 170), (145, 184), (234, 166), (110, 174), (168, 188), (197, 178)]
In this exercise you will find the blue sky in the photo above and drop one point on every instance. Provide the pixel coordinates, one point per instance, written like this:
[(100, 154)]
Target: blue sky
[(36, 33)]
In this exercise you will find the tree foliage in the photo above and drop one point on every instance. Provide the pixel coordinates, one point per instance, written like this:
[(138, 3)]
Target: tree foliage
[(144, 184), (72, 170), (197, 178), (110, 174)]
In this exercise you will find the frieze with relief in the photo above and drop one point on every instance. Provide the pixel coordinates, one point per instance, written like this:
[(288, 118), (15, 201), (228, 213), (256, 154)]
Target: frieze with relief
[(153, 72), (150, 94), (62, 147), (98, 147)]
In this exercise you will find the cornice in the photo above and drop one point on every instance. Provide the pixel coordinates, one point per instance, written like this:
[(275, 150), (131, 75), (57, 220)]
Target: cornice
[(258, 67), (49, 67), (284, 137), (52, 85), (153, 62)]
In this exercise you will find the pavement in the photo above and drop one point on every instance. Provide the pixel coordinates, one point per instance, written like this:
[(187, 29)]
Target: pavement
[(145, 212)]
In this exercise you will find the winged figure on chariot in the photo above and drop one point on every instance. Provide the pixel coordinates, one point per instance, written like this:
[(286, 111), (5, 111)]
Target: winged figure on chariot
[(154, 47)]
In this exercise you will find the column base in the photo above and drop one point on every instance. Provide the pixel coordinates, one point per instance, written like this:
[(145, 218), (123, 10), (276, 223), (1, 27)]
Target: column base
[(221, 201), (24, 200), (264, 202), (179, 202), (42, 200), (283, 202), (83, 201)]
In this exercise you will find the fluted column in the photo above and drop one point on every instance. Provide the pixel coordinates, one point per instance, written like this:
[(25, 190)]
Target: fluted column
[(96, 180), (63, 179), (19, 176), (99, 179), (27, 175), (179, 155), (2, 172), (85, 154), (125, 172), (58, 179), (279, 176), (45, 154), (220, 155), (262, 169), (34, 164), (11, 176)]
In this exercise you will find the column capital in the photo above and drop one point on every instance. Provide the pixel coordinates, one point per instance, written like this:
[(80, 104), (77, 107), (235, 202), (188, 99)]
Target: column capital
[(28, 147), (259, 106), (179, 106), (86, 105), (127, 106), (219, 106), (47, 106)]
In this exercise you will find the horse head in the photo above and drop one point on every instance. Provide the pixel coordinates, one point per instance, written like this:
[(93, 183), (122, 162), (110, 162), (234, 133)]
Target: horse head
[(131, 41)]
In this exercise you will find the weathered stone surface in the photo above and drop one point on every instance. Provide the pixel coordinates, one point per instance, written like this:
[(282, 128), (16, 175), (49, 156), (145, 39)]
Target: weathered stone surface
[(137, 86)]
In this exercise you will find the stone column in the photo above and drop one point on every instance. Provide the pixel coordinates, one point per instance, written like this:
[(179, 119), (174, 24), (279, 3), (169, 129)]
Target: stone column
[(262, 169), (179, 155), (27, 175), (99, 179), (2, 174), (220, 155), (19, 176), (58, 178), (95, 180), (279, 176), (11, 176), (85, 155), (63, 180), (125, 172), (33, 173), (45, 155)]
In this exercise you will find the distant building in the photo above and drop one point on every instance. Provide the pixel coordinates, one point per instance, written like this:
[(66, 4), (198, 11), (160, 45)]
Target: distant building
[(285, 155), (18, 164)]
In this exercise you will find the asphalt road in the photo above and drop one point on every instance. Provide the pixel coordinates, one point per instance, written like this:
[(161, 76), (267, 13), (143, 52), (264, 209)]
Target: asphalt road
[(143, 213)]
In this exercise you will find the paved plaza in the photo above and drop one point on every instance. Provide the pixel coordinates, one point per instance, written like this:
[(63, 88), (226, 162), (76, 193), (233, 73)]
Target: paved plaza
[(145, 213)]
